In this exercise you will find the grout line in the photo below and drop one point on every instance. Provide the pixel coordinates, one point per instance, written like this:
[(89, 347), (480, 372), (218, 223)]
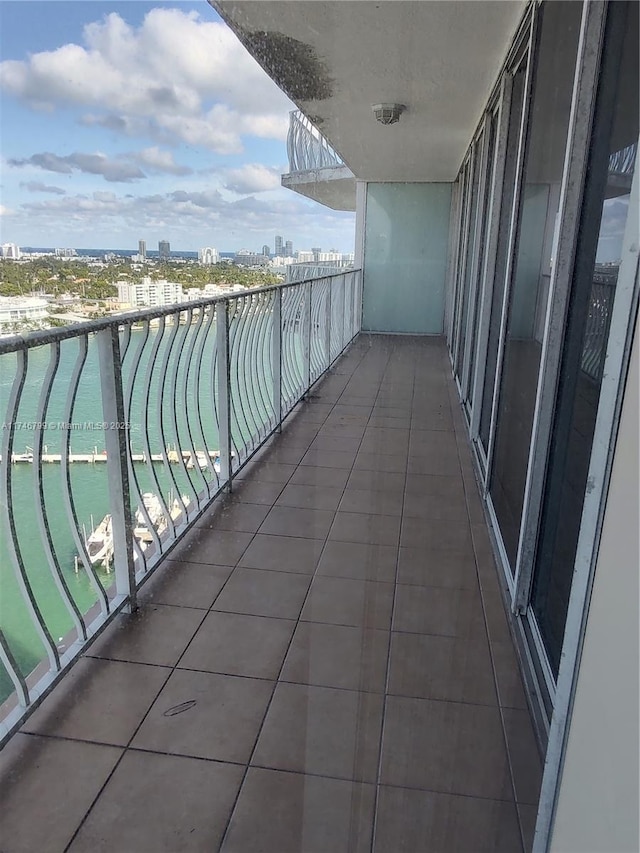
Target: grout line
[(463, 433), (173, 669), (388, 669), (277, 680)]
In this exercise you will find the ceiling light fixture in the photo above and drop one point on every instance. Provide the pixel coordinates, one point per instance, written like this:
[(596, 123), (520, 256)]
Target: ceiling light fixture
[(388, 113)]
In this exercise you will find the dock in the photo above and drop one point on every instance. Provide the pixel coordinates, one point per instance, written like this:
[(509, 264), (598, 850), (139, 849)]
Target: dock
[(101, 456)]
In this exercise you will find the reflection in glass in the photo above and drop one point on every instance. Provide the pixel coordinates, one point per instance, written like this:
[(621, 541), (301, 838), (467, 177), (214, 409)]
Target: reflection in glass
[(464, 225), (540, 197), (515, 116), (605, 210), (483, 227), (471, 248)]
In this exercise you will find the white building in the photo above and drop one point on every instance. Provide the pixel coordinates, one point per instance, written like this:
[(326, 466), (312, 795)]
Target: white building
[(280, 262), (305, 257), (11, 251), (208, 256), (193, 294), (18, 309), (148, 293)]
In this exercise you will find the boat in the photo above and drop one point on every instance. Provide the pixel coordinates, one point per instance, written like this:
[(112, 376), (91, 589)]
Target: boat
[(99, 545), (157, 516)]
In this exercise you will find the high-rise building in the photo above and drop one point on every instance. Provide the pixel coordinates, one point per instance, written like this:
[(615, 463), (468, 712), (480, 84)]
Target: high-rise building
[(316, 252), (208, 256), (250, 259), (288, 249), (11, 251), (266, 251), (164, 250), (279, 250), (142, 250), (148, 293)]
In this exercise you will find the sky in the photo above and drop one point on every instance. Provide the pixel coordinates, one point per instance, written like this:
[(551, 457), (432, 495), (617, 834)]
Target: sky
[(135, 121)]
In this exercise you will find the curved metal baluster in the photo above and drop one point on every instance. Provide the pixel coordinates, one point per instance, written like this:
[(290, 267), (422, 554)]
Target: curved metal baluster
[(235, 400), (6, 500), (271, 331), (67, 493), (264, 367), (317, 305), (214, 389), (165, 459), (340, 316), (164, 364), (296, 313), (250, 353), (124, 344), (142, 561), (13, 671), (343, 323), (237, 366), (128, 402), (252, 362), (200, 385), (304, 349), (41, 510), (289, 323), (351, 302), (321, 335), (244, 324), (297, 342), (173, 396), (187, 406), (333, 320)]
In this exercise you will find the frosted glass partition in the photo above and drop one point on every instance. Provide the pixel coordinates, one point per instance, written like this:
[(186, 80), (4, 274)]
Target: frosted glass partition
[(405, 257)]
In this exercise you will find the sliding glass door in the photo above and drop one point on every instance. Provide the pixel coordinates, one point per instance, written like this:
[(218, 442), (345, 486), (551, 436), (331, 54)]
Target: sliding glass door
[(516, 106), (605, 211), (559, 29)]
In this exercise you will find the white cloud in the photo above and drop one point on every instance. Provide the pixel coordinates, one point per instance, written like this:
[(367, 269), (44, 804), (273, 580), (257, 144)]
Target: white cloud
[(113, 170), (252, 178), (157, 160), (39, 187), (5, 211), (176, 74), (124, 168)]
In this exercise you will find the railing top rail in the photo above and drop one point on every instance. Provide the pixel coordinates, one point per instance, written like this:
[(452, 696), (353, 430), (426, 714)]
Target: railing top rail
[(17, 343)]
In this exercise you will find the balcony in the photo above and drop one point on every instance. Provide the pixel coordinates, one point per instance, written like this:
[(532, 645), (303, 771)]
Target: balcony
[(315, 169), (321, 662)]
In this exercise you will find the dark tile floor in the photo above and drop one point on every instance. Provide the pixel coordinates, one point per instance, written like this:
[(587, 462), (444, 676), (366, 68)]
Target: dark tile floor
[(323, 666)]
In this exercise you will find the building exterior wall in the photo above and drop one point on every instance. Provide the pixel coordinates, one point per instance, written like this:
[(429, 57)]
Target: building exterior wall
[(405, 257), (598, 793)]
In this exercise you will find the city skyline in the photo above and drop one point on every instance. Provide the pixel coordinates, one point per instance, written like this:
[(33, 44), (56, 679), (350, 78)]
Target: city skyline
[(191, 153)]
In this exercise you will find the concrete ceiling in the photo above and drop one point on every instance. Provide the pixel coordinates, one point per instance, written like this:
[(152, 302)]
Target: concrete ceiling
[(336, 58)]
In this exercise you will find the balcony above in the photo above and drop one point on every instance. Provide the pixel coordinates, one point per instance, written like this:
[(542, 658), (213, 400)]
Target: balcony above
[(315, 169)]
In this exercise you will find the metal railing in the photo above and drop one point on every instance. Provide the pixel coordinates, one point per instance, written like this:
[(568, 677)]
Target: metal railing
[(315, 269), (119, 433), (596, 337), (307, 148)]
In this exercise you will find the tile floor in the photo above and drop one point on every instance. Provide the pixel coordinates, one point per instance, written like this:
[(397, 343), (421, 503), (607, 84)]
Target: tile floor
[(323, 666)]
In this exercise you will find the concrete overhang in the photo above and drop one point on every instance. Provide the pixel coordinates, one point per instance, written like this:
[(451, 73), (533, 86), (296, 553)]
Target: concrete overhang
[(333, 187), (336, 58)]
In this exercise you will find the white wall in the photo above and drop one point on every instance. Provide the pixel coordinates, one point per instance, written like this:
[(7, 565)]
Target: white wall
[(599, 793), (405, 257)]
